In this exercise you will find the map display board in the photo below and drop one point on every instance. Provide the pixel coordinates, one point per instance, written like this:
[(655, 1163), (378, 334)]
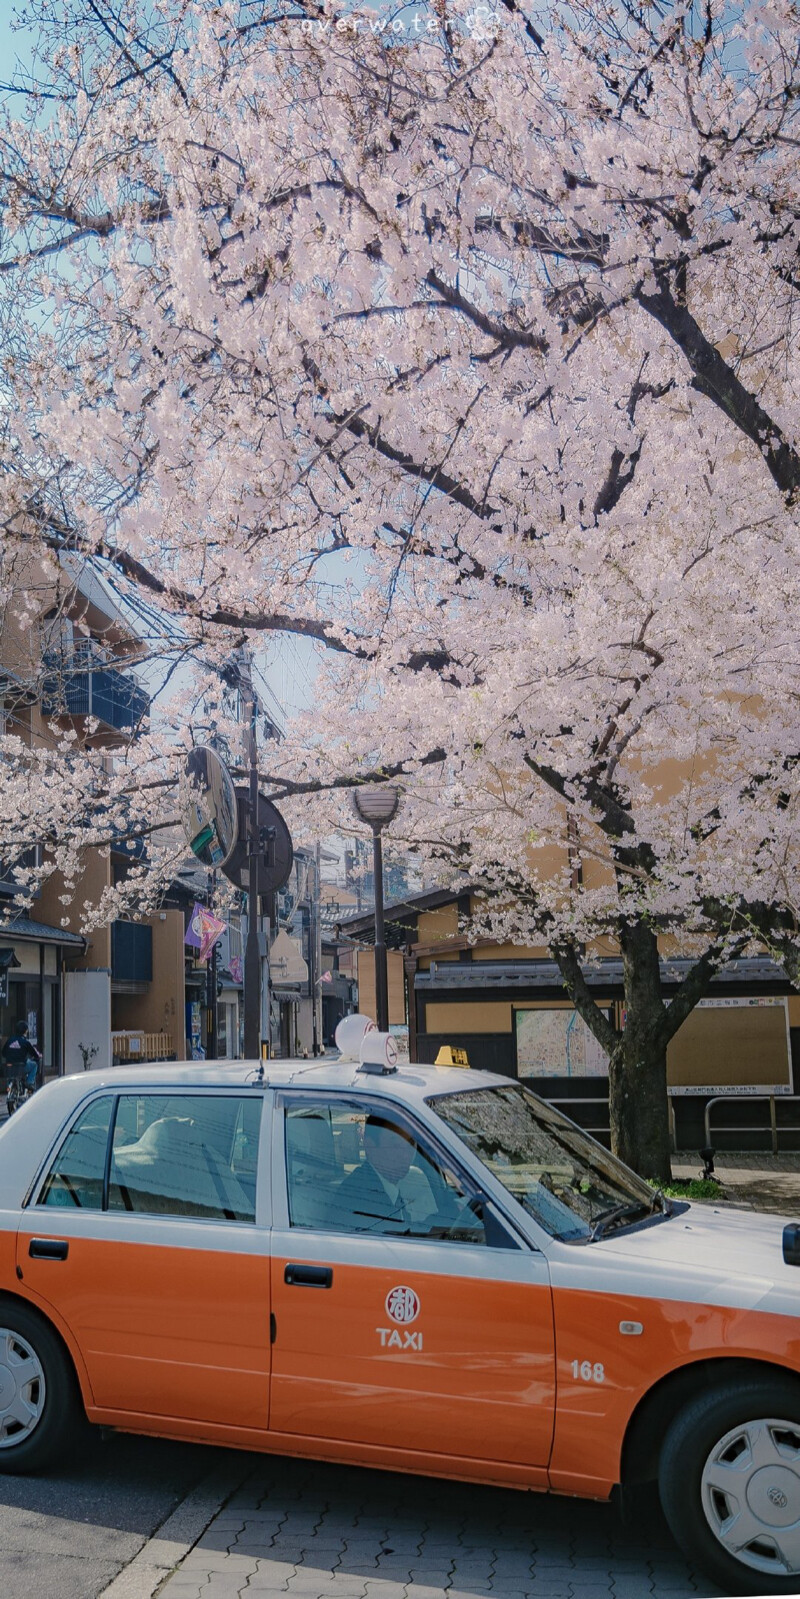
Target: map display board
[(557, 1043)]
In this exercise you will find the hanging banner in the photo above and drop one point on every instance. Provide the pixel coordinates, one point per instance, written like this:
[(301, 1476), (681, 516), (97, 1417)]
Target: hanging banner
[(203, 931)]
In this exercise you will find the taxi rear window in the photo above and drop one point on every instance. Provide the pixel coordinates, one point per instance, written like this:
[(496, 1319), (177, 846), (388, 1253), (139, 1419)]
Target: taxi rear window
[(163, 1154)]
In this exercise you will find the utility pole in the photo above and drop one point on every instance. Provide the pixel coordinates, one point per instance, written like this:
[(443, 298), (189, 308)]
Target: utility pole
[(319, 1043), (252, 954), (211, 986)]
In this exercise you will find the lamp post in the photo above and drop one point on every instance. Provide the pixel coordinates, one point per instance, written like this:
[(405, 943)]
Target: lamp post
[(241, 674), (377, 804)]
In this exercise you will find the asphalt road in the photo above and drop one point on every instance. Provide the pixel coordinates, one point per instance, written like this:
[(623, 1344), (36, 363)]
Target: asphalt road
[(65, 1535)]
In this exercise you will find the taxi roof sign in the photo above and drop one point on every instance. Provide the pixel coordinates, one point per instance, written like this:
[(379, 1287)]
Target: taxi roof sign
[(450, 1056)]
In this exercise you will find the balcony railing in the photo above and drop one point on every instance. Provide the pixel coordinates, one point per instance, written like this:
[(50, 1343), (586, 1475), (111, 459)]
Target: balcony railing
[(131, 952), (83, 685), (135, 1045)]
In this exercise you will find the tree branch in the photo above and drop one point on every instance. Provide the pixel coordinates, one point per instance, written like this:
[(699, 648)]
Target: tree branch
[(695, 985), (714, 378), (582, 998)]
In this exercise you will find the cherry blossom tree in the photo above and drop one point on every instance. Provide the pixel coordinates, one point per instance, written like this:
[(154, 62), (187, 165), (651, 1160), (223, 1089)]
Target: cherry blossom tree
[(462, 344)]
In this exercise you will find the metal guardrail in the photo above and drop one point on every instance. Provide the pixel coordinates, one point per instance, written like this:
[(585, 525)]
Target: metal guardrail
[(774, 1128), (564, 1104), (605, 1130)]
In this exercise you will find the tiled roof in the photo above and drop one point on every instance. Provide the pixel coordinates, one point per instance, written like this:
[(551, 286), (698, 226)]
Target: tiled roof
[(24, 927)]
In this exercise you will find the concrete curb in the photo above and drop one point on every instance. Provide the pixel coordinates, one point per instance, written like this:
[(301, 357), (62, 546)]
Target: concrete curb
[(177, 1535)]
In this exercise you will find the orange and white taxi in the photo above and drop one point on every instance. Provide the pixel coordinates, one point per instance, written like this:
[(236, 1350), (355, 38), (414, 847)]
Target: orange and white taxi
[(421, 1270)]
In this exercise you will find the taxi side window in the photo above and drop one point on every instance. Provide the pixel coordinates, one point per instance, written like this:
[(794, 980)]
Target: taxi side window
[(186, 1155), (75, 1179), (359, 1168)]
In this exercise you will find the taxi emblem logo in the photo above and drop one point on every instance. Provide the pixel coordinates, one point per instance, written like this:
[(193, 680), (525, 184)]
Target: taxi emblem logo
[(402, 1304)]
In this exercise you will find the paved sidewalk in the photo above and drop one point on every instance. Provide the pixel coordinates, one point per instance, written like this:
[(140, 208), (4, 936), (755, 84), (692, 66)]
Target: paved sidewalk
[(763, 1181), (329, 1532)]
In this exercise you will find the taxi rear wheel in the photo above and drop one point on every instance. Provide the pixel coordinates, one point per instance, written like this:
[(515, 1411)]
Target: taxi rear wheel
[(38, 1397), (729, 1479)]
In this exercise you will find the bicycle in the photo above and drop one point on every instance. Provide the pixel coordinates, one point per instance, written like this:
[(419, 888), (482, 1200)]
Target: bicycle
[(17, 1092)]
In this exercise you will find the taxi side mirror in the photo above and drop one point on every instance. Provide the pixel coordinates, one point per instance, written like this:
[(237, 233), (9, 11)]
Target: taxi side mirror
[(791, 1243)]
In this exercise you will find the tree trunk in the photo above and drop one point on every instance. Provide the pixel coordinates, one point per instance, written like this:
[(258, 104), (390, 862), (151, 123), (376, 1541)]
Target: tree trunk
[(637, 1073)]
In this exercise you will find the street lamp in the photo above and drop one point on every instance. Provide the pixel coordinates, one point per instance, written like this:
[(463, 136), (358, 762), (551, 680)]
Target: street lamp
[(377, 804), (240, 674)]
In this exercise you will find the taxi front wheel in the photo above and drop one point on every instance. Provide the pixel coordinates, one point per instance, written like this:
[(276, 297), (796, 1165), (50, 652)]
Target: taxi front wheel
[(38, 1398), (729, 1479)]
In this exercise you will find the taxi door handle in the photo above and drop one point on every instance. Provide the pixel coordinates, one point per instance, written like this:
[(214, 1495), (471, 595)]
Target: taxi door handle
[(48, 1248), (308, 1276)]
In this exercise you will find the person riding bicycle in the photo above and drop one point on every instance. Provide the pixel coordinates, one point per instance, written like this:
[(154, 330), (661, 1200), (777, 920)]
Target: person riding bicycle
[(20, 1057)]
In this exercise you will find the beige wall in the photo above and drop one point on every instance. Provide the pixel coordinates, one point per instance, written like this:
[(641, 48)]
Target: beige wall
[(161, 1009), (95, 877), (366, 986), (473, 1016), (512, 952), (435, 925), (28, 590)]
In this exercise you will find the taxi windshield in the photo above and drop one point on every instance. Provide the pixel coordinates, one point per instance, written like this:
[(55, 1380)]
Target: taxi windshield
[(570, 1184)]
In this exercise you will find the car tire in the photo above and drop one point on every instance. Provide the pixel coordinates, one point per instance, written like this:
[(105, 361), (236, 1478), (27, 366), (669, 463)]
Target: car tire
[(729, 1480), (39, 1401)]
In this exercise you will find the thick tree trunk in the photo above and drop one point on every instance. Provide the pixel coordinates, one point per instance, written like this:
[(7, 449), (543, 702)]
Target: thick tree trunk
[(637, 1076), (638, 1108)]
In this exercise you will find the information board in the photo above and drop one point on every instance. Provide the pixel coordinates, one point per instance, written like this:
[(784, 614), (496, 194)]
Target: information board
[(732, 1046), (557, 1043)]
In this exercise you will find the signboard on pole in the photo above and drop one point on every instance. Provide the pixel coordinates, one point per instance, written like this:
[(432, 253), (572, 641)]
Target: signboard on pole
[(286, 961), (277, 853)]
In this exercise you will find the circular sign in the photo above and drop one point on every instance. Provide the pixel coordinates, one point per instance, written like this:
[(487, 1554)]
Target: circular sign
[(402, 1304), (277, 855), (210, 820)]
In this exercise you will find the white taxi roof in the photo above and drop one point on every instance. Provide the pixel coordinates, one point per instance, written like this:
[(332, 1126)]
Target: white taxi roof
[(26, 1138), (408, 1081)]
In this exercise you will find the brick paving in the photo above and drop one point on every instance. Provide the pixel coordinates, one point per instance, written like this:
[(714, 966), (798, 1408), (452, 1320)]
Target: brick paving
[(311, 1531)]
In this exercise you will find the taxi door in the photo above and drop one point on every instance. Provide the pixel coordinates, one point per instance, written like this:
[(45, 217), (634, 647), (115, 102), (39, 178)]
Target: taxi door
[(431, 1344), (153, 1257)]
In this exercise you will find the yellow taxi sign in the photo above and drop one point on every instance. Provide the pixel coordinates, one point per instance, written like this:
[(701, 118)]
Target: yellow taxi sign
[(449, 1056)]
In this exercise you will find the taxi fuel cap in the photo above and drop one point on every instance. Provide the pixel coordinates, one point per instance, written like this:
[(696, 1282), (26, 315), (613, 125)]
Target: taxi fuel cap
[(791, 1243)]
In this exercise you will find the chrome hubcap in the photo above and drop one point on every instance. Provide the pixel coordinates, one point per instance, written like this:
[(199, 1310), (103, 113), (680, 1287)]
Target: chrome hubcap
[(751, 1495), (22, 1389)]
